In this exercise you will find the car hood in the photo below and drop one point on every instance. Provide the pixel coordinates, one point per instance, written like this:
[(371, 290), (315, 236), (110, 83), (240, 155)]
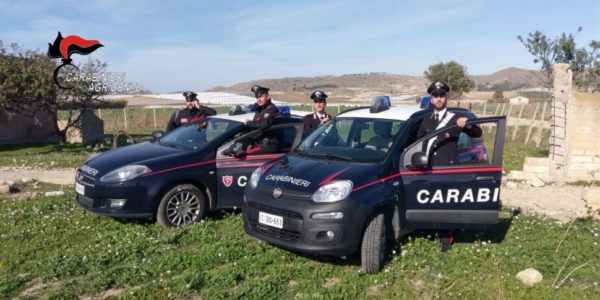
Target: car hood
[(128, 155), (302, 174)]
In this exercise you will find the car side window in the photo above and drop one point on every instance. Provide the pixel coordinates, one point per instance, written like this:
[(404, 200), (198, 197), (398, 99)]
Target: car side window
[(454, 146)]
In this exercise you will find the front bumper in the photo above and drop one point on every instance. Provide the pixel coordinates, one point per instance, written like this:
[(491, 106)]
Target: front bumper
[(96, 198), (300, 232)]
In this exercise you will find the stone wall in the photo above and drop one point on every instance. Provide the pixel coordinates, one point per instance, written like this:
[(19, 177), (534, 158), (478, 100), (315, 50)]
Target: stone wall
[(21, 129), (583, 130)]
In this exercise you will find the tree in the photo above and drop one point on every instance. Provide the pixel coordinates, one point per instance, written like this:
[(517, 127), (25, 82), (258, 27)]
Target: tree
[(584, 62), (454, 74), (498, 96), (27, 88)]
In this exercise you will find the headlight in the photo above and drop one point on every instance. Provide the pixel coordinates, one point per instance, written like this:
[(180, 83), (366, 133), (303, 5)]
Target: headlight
[(255, 177), (332, 192), (125, 173)]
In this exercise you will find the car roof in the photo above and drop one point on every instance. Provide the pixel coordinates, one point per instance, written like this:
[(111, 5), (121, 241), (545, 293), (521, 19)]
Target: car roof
[(402, 113), (250, 115)]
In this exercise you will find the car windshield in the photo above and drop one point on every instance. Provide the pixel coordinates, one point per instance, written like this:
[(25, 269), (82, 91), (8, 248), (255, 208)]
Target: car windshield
[(196, 136), (352, 139)]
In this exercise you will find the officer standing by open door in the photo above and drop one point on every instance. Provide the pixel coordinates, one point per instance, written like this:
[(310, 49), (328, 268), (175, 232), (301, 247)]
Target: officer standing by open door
[(442, 150), (320, 116)]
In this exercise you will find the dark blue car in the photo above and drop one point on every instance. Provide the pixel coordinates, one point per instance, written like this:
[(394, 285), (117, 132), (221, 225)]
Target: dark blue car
[(177, 178), (355, 183)]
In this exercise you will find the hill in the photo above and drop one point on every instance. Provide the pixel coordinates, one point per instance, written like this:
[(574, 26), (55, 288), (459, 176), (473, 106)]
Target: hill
[(361, 87)]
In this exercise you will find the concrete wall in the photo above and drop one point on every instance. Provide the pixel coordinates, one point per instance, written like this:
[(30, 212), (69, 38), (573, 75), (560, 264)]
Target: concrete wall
[(519, 100), (583, 131), (20, 129)]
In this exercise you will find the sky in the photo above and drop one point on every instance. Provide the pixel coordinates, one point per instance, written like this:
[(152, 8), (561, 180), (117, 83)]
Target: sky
[(195, 45)]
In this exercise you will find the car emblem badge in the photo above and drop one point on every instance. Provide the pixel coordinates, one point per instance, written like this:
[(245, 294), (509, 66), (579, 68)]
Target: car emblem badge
[(227, 180), (276, 193)]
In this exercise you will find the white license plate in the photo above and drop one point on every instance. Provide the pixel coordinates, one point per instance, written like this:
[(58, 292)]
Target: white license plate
[(79, 188), (271, 220)]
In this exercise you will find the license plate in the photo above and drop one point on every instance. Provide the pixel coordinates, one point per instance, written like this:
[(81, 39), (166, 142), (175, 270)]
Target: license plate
[(79, 188), (271, 220)]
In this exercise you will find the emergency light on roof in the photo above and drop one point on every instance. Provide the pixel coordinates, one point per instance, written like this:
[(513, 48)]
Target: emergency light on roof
[(379, 104), (285, 111), (425, 102)]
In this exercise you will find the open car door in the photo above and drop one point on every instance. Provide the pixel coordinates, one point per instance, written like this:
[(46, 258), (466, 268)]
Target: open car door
[(463, 192), (233, 171)]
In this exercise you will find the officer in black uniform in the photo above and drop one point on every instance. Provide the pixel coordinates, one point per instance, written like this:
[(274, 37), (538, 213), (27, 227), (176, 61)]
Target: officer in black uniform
[(194, 112), (319, 117), (442, 150), (264, 117)]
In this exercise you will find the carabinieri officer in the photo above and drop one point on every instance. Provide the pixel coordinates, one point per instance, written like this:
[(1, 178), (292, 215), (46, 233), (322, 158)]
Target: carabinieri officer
[(319, 117), (194, 112), (264, 117)]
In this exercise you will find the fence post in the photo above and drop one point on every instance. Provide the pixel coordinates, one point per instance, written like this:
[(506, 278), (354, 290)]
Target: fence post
[(518, 122), (125, 117), (503, 107), (497, 109), (539, 137), (154, 116), (532, 123), (484, 107), (338, 109), (100, 113)]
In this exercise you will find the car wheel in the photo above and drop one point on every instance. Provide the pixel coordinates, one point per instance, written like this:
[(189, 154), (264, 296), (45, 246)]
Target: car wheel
[(372, 254), (182, 205)]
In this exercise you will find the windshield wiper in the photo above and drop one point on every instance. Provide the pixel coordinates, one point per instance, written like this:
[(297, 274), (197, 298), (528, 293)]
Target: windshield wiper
[(173, 145), (331, 156)]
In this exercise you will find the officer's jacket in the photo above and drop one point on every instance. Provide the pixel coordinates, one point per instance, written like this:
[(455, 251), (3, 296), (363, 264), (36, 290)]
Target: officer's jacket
[(442, 150), (312, 122), (189, 116), (264, 117)]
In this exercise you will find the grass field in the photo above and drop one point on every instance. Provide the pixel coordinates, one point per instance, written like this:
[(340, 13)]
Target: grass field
[(50, 248)]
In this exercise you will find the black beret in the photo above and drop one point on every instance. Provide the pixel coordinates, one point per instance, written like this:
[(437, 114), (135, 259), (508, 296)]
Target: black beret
[(438, 86), (189, 96), (259, 90), (318, 96)]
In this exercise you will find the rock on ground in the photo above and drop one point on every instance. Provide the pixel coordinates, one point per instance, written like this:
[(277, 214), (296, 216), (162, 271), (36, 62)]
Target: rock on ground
[(530, 276)]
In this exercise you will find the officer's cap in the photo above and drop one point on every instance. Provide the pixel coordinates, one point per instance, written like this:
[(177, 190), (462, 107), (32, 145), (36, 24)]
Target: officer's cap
[(318, 96), (259, 90), (190, 96), (438, 88)]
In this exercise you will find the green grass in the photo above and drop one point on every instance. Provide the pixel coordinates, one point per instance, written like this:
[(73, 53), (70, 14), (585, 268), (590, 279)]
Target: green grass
[(51, 248)]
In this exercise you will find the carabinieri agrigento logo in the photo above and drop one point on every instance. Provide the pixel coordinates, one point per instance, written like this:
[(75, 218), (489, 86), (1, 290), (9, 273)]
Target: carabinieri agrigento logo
[(63, 48)]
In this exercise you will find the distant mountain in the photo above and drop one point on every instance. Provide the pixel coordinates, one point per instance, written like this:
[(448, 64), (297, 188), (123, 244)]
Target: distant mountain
[(365, 86), (508, 79)]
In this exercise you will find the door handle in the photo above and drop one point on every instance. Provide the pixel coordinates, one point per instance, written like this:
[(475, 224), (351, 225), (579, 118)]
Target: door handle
[(485, 178)]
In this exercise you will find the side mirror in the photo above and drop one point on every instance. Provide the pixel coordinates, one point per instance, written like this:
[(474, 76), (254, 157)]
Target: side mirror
[(157, 135), (235, 150), (419, 160)]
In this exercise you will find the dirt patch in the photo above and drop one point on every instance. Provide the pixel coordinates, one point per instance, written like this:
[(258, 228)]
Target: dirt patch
[(331, 282), (374, 290), (35, 286), (56, 176), (562, 203)]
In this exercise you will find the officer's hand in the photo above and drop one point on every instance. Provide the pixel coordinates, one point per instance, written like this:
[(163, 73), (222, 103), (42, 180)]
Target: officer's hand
[(325, 120), (461, 122), (196, 104)]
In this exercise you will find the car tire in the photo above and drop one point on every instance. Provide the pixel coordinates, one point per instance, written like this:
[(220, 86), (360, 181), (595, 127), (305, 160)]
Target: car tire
[(182, 205), (373, 246)]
